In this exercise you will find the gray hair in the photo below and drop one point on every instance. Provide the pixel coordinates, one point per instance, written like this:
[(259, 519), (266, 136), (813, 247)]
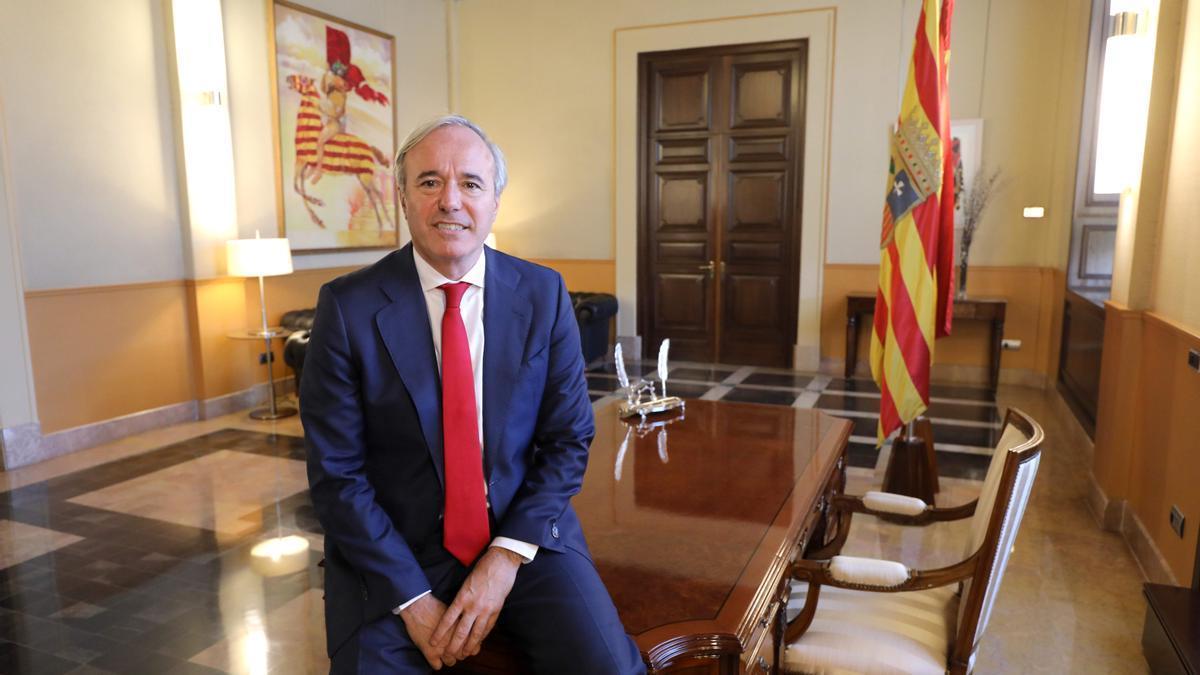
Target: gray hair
[(501, 169)]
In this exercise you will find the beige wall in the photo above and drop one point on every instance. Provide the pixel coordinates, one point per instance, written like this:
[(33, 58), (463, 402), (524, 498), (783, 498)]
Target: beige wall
[(92, 204), (1176, 292), (561, 145), (18, 407), (94, 186)]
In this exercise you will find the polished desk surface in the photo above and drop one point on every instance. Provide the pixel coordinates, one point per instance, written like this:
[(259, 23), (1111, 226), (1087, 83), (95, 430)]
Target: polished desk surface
[(692, 539)]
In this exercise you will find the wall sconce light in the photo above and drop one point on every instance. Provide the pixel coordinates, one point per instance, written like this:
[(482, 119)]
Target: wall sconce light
[(1124, 99), (205, 134)]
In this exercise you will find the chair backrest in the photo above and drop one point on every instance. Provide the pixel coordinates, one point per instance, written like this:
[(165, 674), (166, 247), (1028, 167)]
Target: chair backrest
[(994, 527)]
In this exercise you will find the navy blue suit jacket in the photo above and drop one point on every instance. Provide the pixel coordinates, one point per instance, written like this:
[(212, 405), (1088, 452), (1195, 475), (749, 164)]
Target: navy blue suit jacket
[(371, 408)]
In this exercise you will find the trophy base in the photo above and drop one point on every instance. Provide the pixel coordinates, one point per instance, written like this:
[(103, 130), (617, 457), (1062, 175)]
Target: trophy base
[(651, 407)]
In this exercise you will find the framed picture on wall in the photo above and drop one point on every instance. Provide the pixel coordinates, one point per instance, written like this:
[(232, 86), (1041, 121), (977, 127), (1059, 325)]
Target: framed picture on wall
[(334, 90), (966, 138)]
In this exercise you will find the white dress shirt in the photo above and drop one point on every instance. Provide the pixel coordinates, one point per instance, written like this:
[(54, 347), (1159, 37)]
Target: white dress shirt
[(471, 308)]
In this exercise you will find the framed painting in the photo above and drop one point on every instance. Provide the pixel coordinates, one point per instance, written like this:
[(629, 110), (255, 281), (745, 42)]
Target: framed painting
[(334, 88), (966, 139)]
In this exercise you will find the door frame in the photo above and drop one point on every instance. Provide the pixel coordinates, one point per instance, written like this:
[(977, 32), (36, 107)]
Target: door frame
[(818, 27)]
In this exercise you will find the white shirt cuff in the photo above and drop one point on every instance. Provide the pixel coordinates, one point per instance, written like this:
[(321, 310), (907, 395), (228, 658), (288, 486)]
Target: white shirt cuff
[(401, 608), (525, 550)]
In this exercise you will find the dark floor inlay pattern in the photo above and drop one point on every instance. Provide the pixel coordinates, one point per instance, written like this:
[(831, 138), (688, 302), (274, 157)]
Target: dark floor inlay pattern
[(778, 380), (862, 455), (135, 595), (699, 374), (962, 465), (856, 403), (760, 396), (686, 390), (857, 385)]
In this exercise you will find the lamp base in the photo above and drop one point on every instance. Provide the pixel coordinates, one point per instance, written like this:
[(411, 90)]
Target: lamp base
[(266, 414)]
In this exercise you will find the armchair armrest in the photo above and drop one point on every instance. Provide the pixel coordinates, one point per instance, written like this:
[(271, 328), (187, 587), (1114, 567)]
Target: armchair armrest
[(865, 574), (890, 502), (899, 509), (853, 571), (878, 575)]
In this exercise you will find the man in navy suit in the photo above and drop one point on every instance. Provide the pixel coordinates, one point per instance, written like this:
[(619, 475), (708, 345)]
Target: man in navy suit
[(447, 420)]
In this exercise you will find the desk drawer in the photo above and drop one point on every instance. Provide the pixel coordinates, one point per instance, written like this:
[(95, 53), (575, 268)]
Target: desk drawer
[(760, 654), (761, 660)]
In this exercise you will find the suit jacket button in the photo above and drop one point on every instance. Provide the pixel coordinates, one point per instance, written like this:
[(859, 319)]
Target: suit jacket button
[(441, 515), (554, 531)]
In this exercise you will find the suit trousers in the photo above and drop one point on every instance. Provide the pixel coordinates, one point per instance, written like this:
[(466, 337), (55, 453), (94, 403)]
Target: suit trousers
[(559, 614)]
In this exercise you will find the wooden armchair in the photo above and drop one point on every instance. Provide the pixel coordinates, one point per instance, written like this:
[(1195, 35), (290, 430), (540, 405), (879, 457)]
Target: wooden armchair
[(863, 615)]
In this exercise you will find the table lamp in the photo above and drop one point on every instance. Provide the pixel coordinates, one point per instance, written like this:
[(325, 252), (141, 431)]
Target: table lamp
[(260, 258)]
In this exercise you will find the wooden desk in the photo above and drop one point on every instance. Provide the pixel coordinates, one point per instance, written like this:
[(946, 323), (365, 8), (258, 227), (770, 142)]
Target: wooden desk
[(980, 309), (693, 545)]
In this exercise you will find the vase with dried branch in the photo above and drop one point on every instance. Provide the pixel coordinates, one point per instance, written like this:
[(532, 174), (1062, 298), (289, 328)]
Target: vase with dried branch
[(975, 201)]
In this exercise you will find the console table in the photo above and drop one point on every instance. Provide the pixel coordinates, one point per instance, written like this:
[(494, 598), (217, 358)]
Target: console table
[(979, 309), (693, 537)]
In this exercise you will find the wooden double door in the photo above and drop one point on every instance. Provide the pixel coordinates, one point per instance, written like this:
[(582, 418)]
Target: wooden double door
[(720, 164)]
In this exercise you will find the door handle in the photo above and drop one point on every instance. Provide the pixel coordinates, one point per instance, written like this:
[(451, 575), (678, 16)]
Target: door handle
[(708, 268)]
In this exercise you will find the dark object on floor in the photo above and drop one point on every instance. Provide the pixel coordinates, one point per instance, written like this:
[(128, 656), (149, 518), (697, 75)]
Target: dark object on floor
[(594, 311), (299, 321), (1171, 634)]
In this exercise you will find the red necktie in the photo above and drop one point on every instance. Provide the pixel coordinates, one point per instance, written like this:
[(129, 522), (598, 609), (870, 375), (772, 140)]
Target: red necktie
[(466, 524)]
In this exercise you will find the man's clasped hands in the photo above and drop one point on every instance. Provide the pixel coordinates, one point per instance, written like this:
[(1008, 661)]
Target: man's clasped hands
[(447, 635)]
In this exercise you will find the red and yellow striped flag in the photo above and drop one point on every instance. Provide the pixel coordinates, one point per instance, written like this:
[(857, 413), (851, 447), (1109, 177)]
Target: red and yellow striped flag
[(916, 264)]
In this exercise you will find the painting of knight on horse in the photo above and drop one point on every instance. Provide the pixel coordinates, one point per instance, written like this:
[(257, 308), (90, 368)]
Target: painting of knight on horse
[(336, 131)]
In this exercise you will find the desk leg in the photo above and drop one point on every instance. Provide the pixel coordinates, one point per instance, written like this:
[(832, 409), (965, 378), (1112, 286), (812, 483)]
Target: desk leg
[(851, 344), (997, 338)]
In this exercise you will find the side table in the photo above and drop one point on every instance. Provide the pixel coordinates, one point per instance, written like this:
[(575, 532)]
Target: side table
[(991, 310), (275, 411)]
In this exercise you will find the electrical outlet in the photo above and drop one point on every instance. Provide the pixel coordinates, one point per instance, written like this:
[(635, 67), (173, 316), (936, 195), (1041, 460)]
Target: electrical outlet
[(1177, 520), (1194, 360), (1010, 345)]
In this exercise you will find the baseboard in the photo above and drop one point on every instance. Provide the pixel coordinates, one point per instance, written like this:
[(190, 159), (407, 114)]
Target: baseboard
[(806, 357), (253, 397), (1145, 552), (64, 442), (1109, 513), (25, 445)]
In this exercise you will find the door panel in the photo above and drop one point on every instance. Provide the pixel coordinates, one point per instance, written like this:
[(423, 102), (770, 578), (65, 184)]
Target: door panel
[(682, 201), (761, 92), (719, 179), (756, 201), (683, 97)]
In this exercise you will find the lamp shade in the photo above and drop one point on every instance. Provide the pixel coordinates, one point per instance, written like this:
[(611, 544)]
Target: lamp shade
[(258, 257)]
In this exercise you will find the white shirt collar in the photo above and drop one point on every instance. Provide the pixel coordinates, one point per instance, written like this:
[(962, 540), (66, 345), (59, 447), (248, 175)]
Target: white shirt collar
[(431, 278)]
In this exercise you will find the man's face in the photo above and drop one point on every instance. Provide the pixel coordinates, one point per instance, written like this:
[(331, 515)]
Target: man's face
[(449, 198)]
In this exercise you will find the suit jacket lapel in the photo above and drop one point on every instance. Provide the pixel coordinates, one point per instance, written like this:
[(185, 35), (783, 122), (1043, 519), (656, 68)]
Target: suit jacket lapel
[(507, 314), (404, 327)]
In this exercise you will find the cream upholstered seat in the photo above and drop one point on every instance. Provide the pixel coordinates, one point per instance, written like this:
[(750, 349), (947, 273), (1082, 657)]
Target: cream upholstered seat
[(854, 615)]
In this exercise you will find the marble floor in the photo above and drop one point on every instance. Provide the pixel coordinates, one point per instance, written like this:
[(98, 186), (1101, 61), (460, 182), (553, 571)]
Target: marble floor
[(139, 556)]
